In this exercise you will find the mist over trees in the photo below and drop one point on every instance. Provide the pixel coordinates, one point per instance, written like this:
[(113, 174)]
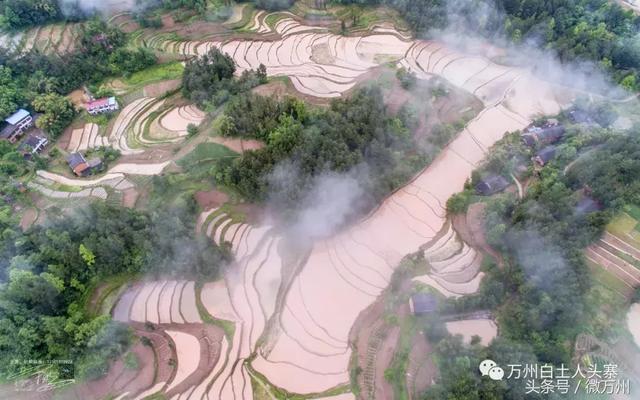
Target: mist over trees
[(47, 277), (356, 132)]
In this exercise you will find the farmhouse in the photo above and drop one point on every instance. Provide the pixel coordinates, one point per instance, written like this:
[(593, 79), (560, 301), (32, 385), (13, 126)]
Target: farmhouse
[(423, 303), (545, 155), (492, 184), (545, 135), (99, 106), (14, 126), (34, 144), (80, 166)]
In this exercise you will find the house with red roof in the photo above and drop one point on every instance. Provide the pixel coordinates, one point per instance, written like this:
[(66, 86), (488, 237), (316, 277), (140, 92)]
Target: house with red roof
[(99, 106)]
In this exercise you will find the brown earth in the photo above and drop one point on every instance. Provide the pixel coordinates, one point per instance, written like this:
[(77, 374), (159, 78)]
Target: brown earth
[(421, 371), (210, 199), (252, 212), (77, 97), (29, 216), (119, 379), (159, 89), (387, 350), (470, 227), (129, 197), (167, 21)]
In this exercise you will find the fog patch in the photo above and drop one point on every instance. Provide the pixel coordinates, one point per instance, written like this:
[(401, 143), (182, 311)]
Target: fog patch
[(329, 200)]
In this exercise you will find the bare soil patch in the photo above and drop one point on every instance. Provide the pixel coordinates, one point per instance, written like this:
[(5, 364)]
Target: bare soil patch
[(159, 89), (129, 197), (77, 97), (167, 21), (387, 349), (210, 199), (421, 371), (120, 379), (29, 216), (238, 145)]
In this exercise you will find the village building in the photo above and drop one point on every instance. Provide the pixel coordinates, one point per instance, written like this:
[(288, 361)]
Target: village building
[(34, 144), (423, 303), (545, 155), (99, 106), (491, 185), (16, 125), (80, 166), (543, 135)]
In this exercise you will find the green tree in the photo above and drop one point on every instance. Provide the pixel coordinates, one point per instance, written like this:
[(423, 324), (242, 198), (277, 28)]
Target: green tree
[(10, 96), (57, 112), (87, 255)]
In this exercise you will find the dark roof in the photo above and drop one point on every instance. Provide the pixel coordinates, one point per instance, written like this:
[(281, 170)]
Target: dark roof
[(546, 154), (551, 134), (546, 135), (423, 303), (75, 159), (7, 130), (492, 184), (33, 141)]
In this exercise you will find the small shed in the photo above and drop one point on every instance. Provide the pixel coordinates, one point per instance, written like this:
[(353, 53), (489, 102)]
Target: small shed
[(423, 303), (545, 155), (491, 185)]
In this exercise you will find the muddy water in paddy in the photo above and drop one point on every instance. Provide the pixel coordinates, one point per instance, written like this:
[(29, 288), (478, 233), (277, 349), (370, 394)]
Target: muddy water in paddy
[(303, 345)]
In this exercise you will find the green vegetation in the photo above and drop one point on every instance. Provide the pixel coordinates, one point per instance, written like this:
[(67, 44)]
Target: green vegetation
[(48, 281), (208, 80), (16, 14), (306, 143), (545, 294), (159, 72), (57, 112), (38, 79)]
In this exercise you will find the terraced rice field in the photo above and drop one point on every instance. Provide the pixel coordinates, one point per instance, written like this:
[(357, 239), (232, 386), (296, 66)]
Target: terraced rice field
[(86, 138), (178, 119), (159, 302), (618, 253), (454, 266), (304, 346), (147, 122), (59, 187), (307, 351), (49, 39)]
